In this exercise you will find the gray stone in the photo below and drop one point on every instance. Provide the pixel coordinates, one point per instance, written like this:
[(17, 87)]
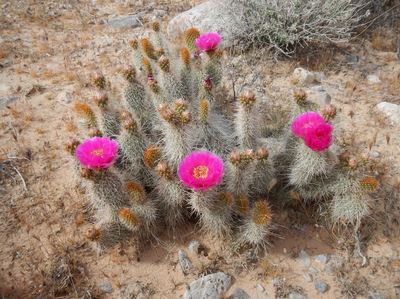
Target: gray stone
[(5, 63), (159, 13), (375, 295), (304, 259), (238, 293), (374, 79), (64, 97), (184, 262), (374, 154), (194, 246), (303, 76), (320, 98), (321, 286), (296, 296), (7, 100), (130, 21), (260, 288), (206, 17), (322, 258), (392, 111), (211, 286), (106, 287), (308, 277)]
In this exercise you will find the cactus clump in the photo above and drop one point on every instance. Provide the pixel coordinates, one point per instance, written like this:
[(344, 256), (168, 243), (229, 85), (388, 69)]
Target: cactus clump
[(178, 154)]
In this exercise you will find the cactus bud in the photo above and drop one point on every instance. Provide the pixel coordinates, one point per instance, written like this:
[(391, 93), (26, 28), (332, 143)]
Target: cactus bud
[(101, 99), (163, 62), (190, 37), (247, 99), (99, 80), (128, 218), (262, 154), (159, 52), (165, 112), (87, 173), (133, 44), (242, 205), (203, 110), (186, 117), (152, 83), (234, 158), (147, 66), (369, 183), (185, 56), (136, 192), (87, 113), (207, 84), (71, 146), (226, 198), (93, 234), (329, 112), (262, 214), (180, 105), (125, 114), (151, 156), (129, 124), (148, 48), (300, 96), (163, 170), (352, 163), (129, 73), (155, 26), (94, 132)]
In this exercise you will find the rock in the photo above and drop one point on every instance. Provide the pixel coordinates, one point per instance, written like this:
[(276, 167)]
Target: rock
[(303, 77), (322, 258), (374, 154), (374, 79), (392, 111), (5, 63), (260, 288), (320, 98), (206, 17), (137, 290), (106, 287), (194, 246), (64, 97), (130, 21), (159, 13), (296, 296), (375, 295), (321, 286), (304, 259), (184, 262), (238, 293), (308, 277), (211, 286), (7, 100)]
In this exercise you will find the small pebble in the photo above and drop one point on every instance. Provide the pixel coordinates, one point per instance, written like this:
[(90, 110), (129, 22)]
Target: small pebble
[(321, 286)]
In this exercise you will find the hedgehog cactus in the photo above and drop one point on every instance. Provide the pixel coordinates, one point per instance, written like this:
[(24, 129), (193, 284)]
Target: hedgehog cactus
[(178, 148)]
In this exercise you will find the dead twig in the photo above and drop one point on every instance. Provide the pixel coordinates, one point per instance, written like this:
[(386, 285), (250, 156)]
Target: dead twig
[(21, 177)]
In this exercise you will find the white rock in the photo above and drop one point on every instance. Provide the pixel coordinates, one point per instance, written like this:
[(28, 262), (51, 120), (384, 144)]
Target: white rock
[(374, 79), (131, 21), (7, 100), (320, 98), (238, 293), (296, 296), (303, 76), (206, 17), (106, 287), (304, 259), (194, 246), (392, 111), (322, 258), (211, 286), (184, 262), (321, 286), (374, 154)]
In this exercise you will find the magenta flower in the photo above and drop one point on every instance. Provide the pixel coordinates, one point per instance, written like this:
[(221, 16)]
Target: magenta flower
[(319, 136), (208, 41), (201, 170), (304, 121), (97, 152)]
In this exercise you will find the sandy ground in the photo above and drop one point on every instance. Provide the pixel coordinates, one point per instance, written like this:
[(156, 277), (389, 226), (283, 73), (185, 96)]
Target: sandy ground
[(48, 50)]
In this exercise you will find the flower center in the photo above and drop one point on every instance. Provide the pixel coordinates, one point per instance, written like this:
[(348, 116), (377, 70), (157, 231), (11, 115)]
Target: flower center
[(200, 172), (97, 152)]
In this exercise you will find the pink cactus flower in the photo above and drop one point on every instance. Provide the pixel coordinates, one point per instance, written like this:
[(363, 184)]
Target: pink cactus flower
[(97, 152), (201, 170), (208, 41), (318, 137), (304, 121)]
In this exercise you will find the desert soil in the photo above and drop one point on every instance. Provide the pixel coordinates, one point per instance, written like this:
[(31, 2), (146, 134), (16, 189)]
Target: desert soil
[(47, 51)]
